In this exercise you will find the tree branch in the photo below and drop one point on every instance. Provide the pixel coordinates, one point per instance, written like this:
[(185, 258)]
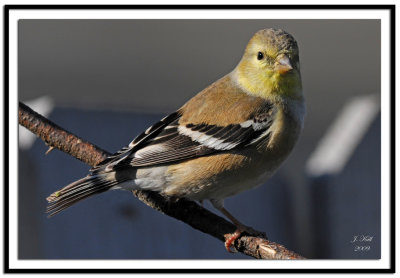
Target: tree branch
[(57, 137), (187, 211)]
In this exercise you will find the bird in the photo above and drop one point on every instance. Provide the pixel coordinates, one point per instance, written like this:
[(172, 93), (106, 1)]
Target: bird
[(230, 137)]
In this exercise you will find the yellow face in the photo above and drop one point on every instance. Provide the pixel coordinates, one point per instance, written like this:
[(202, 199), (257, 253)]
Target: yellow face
[(270, 65)]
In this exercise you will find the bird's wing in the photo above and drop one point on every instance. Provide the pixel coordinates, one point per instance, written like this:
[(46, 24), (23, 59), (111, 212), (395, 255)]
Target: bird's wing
[(170, 142), (137, 142)]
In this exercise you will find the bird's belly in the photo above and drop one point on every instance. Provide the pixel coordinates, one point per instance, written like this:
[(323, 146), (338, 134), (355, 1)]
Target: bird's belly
[(187, 182), (230, 186), (217, 176)]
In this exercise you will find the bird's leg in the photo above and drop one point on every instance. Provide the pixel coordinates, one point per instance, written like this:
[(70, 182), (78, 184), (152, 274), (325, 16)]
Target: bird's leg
[(240, 228)]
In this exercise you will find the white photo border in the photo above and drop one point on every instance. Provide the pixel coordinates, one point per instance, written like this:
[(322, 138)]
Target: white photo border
[(383, 13)]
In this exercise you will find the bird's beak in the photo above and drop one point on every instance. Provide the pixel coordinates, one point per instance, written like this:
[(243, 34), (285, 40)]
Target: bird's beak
[(283, 65)]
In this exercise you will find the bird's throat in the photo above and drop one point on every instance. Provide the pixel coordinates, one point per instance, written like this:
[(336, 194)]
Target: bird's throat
[(270, 85)]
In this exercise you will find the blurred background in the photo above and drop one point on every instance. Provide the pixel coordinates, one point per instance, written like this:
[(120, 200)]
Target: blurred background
[(108, 80)]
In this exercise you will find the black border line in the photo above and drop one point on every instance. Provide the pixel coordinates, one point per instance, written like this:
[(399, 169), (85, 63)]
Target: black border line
[(393, 138), (199, 7), (6, 141), (391, 8)]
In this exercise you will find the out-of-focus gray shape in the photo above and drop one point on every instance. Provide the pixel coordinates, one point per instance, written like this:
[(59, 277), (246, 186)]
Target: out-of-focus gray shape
[(343, 136), (42, 105)]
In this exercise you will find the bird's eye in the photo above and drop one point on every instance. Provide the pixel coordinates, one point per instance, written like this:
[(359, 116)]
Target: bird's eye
[(260, 56)]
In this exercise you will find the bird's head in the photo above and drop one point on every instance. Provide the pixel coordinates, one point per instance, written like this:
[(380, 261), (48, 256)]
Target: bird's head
[(270, 65)]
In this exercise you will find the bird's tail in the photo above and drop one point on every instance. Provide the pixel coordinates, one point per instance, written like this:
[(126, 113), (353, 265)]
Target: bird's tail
[(77, 191)]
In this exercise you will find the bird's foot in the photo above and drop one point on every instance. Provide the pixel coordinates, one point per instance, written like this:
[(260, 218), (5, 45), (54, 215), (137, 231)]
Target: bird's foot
[(230, 238)]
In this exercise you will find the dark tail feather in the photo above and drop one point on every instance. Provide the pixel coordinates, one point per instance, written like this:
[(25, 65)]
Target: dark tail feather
[(77, 191)]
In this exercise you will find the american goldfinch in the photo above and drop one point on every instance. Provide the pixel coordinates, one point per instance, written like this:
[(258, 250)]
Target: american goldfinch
[(230, 137)]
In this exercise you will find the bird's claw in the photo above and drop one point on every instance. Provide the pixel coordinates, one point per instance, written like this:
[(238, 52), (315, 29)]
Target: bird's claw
[(230, 238)]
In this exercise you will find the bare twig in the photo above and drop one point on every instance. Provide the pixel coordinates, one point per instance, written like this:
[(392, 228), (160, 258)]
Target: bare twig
[(187, 211), (59, 138)]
